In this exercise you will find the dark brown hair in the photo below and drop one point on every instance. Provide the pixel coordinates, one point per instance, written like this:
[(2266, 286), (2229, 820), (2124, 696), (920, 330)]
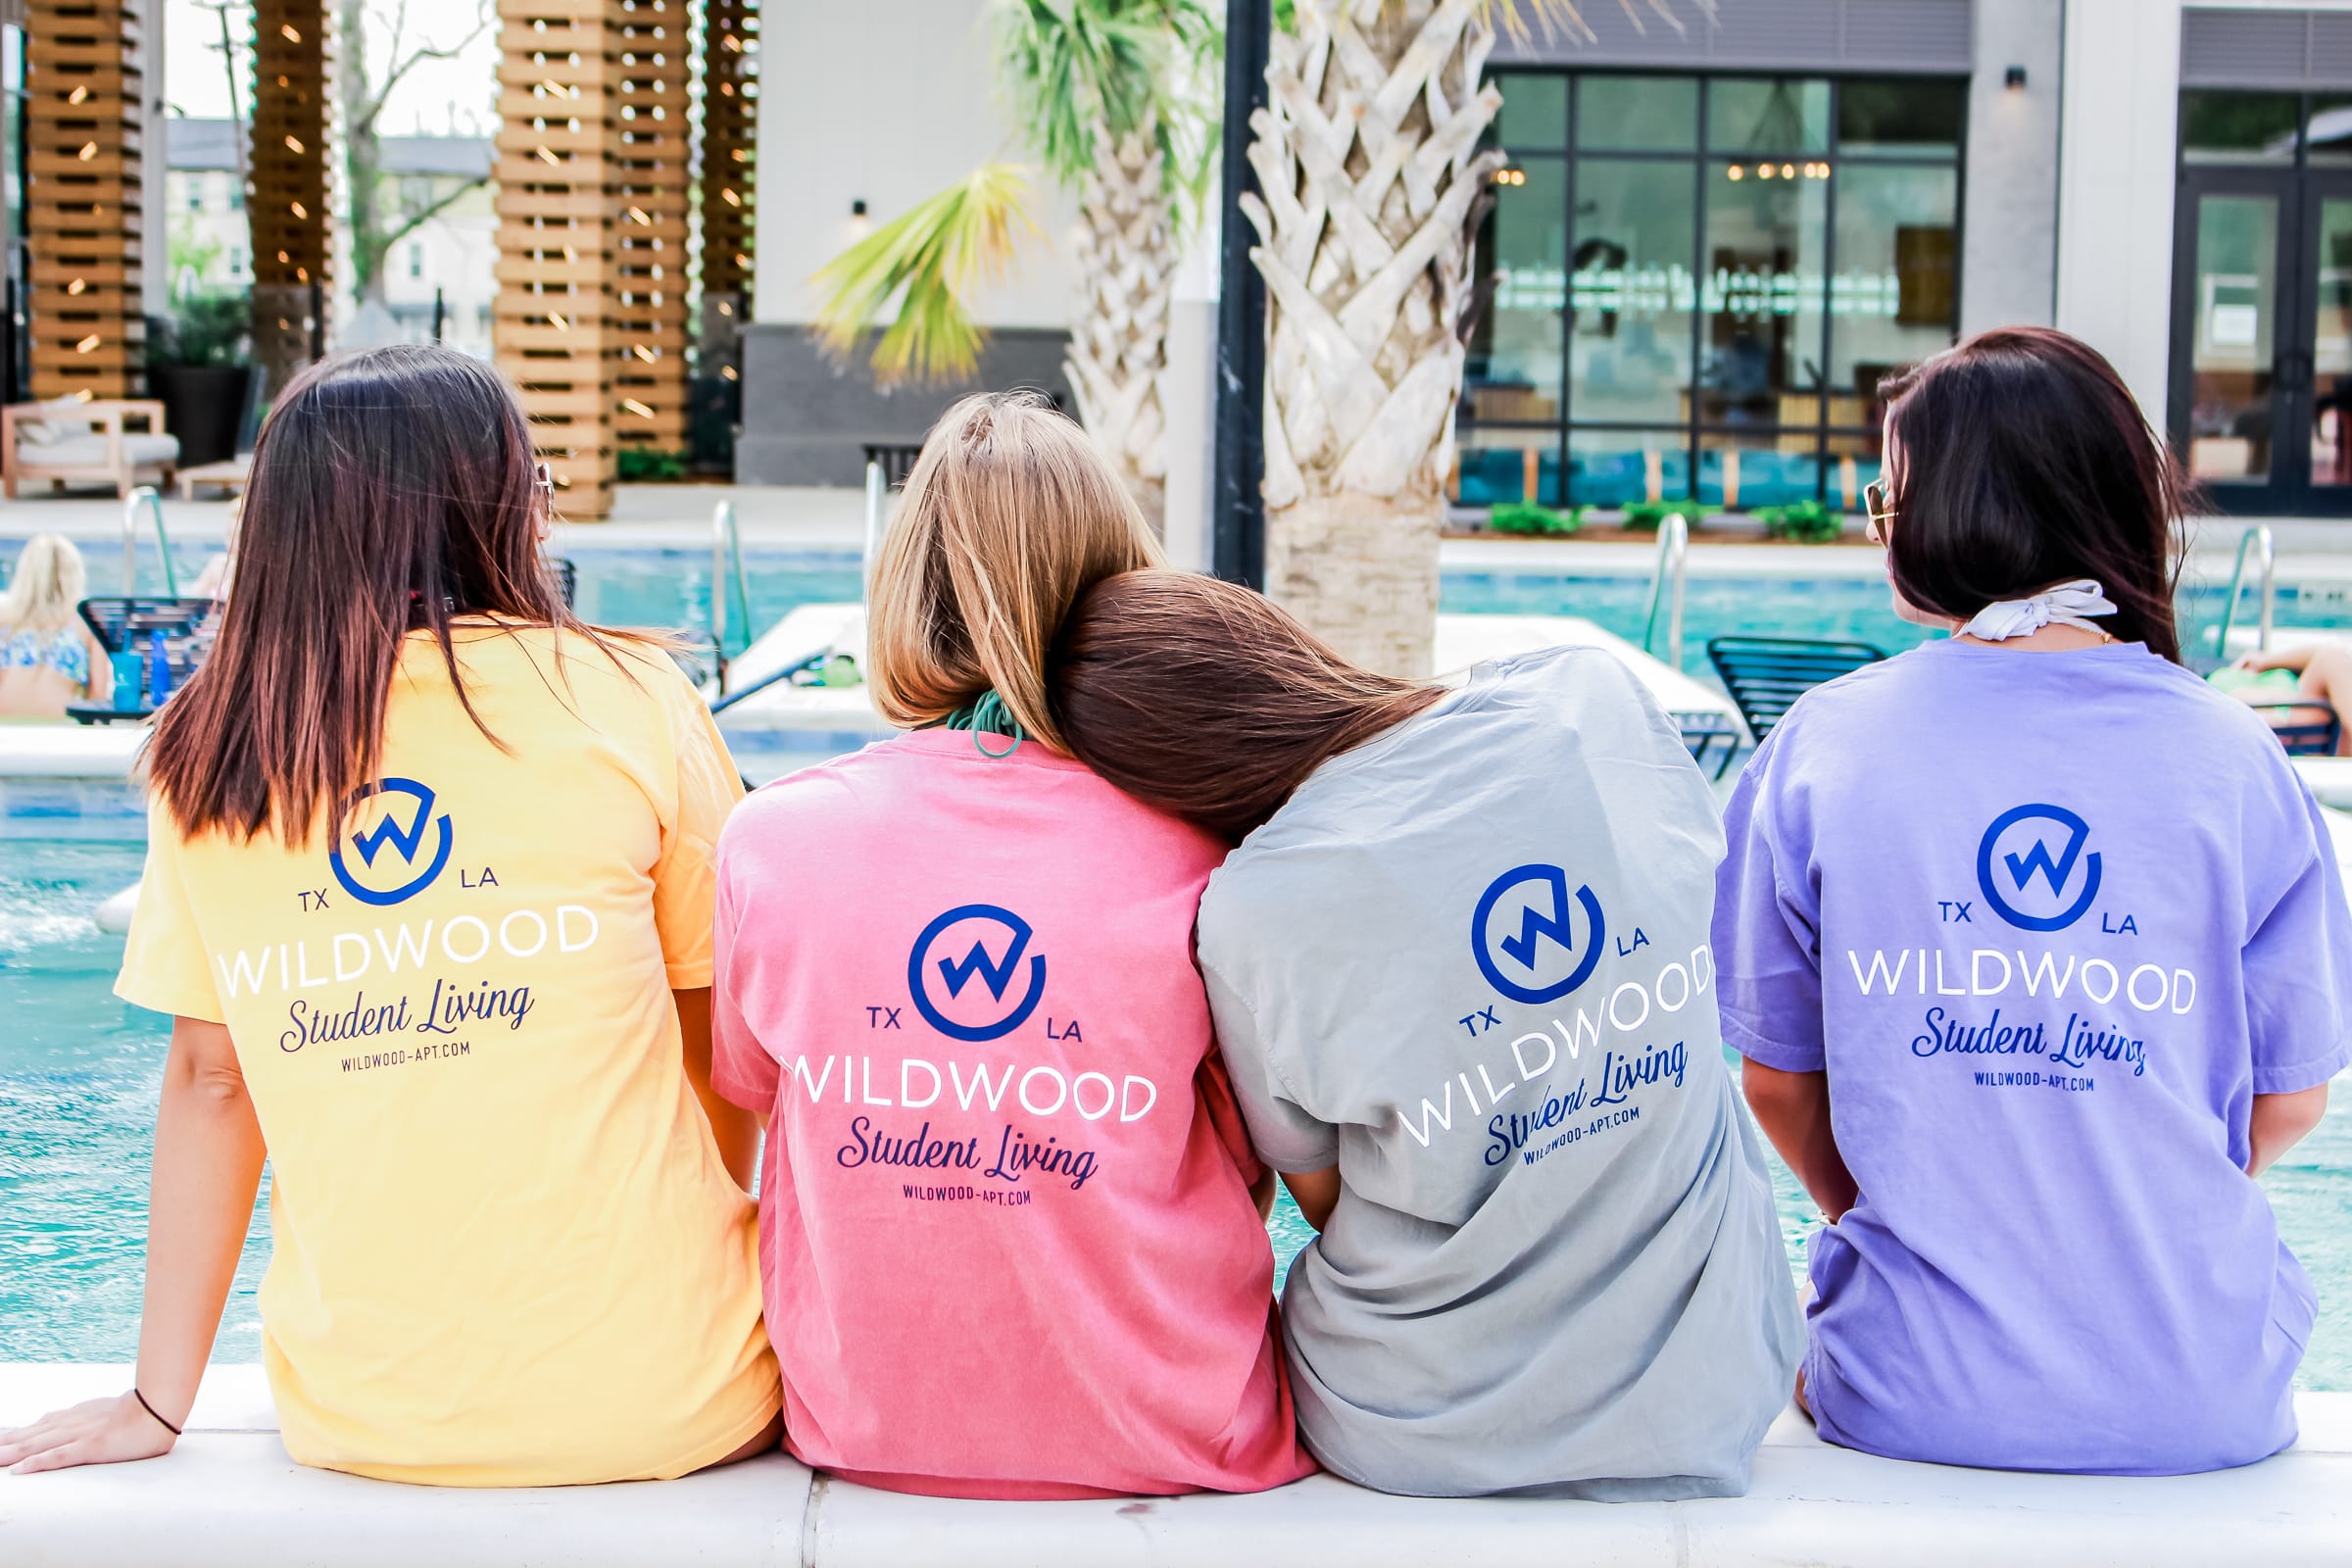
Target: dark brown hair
[(392, 489), (2024, 462), (1204, 700)]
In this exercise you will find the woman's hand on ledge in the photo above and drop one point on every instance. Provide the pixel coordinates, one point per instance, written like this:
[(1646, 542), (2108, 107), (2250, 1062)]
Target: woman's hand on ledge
[(94, 1432)]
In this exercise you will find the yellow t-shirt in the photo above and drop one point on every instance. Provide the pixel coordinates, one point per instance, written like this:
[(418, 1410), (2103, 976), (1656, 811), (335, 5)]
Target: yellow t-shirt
[(507, 1252)]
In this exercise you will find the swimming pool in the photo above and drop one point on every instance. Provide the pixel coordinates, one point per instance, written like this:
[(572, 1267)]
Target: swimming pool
[(79, 1072)]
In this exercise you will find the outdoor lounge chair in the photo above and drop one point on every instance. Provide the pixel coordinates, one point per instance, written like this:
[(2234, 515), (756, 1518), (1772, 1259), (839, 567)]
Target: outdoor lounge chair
[(1765, 674), (69, 442), (2305, 737)]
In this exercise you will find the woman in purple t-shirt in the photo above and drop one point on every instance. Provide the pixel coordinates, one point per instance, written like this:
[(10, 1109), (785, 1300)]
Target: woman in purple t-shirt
[(2038, 952)]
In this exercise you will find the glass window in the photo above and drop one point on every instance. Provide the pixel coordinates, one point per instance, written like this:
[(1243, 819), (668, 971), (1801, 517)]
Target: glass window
[(2232, 291), (1739, 470), (1779, 114), (1761, 287), (1535, 109), (1496, 464), (2238, 128), (2327, 133), (1514, 367), (1895, 298), (1901, 119), (1637, 114), (1631, 291)]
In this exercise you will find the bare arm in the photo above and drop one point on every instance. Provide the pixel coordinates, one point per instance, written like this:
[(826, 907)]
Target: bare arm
[(735, 1129), (1316, 1192), (2280, 1122), (1794, 1109), (208, 1165)]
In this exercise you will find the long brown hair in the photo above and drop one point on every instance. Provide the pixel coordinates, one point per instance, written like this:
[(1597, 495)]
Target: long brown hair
[(2024, 462), (1209, 701), (392, 489), (1009, 515)]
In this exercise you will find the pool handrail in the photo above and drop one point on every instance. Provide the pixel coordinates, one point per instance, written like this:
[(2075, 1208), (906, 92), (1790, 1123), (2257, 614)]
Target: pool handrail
[(727, 580), (877, 490), (1666, 582), (2258, 534), (146, 495)]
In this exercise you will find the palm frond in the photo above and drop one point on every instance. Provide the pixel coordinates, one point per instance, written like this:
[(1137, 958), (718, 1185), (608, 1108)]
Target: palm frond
[(931, 260), (1072, 67)]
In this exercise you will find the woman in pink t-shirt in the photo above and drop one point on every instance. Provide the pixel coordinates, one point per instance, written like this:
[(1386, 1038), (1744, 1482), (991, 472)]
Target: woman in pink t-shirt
[(1006, 1212)]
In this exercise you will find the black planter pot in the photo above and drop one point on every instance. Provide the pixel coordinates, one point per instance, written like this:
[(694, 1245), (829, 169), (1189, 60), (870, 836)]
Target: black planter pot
[(202, 406)]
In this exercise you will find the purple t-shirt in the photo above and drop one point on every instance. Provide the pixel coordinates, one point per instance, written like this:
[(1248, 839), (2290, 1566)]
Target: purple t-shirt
[(2049, 921)]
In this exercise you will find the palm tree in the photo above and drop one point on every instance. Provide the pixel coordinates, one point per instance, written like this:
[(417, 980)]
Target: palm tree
[(1369, 158), (1107, 94)]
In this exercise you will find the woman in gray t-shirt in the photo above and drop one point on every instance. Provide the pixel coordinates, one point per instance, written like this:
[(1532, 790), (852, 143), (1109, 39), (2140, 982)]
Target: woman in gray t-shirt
[(1459, 972)]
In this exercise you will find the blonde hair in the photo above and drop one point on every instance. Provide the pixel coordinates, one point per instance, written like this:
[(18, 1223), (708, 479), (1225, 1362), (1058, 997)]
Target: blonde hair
[(1009, 517), (48, 582)]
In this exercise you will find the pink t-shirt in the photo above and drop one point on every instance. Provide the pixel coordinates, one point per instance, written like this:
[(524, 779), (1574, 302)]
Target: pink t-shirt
[(1004, 1220)]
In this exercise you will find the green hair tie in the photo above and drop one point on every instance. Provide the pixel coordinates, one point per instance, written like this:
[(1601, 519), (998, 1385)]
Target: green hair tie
[(987, 715)]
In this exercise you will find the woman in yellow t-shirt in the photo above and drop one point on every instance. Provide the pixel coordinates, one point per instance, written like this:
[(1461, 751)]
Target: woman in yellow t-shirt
[(428, 891)]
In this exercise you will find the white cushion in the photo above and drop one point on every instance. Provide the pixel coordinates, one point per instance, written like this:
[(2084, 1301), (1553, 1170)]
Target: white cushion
[(87, 450), (62, 419)]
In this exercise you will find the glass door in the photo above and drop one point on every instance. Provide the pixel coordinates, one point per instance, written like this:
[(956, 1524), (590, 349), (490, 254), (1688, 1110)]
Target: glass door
[(2234, 324), (2322, 365)]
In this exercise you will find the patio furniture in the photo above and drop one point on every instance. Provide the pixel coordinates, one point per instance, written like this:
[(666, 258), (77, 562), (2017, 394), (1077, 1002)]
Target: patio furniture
[(1766, 674), (897, 460), (229, 474), (99, 442), (2305, 737), (126, 624)]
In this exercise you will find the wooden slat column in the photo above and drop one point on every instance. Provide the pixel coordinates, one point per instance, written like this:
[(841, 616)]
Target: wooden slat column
[(730, 133), (559, 182), (83, 208), (290, 194), (650, 379)]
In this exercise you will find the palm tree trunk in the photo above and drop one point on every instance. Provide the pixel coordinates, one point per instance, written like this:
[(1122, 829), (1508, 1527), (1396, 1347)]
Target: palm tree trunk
[(1368, 157), (1118, 345)]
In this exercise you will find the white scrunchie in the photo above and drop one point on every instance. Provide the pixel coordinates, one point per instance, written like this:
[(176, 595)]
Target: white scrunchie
[(2067, 604)]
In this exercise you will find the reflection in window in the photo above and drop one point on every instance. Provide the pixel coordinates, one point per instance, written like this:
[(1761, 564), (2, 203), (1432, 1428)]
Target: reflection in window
[(1535, 112), (1515, 365), (1774, 116), (1901, 119), (1896, 291), (1761, 295), (1633, 291), (2238, 128), (1637, 114)]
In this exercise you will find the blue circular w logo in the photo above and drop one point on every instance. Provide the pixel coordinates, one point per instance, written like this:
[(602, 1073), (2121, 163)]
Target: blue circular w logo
[(979, 924), (1523, 934), (406, 838), (2016, 852)]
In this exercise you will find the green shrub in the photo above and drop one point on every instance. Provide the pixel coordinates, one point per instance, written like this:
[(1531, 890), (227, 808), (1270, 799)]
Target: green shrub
[(1647, 516), (642, 465), (1805, 522), (1534, 522)]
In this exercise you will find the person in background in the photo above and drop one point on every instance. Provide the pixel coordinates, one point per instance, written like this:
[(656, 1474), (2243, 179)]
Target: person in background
[(2038, 952), (1007, 1207), (428, 894), (2306, 684), (1461, 977), (49, 658)]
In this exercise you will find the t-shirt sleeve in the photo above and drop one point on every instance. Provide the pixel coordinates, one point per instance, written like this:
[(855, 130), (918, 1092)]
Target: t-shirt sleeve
[(741, 1069), (708, 786), (1767, 931), (1287, 1136), (164, 967), (2298, 966)]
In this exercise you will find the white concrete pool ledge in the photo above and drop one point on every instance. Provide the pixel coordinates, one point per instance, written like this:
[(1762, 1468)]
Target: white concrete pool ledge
[(230, 1497)]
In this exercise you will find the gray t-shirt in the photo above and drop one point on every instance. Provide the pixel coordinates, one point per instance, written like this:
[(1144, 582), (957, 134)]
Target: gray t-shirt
[(1468, 964)]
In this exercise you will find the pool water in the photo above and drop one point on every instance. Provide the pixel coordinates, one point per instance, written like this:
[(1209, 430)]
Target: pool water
[(80, 1073)]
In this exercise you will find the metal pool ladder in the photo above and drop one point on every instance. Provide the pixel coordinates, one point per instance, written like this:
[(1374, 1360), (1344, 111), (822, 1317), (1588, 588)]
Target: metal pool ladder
[(726, 583), (1666, 582), (145, 496), (2257, 537)]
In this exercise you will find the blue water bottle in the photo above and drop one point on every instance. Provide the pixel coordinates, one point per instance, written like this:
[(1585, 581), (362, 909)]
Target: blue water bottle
[(127, 681), (159, 670)]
